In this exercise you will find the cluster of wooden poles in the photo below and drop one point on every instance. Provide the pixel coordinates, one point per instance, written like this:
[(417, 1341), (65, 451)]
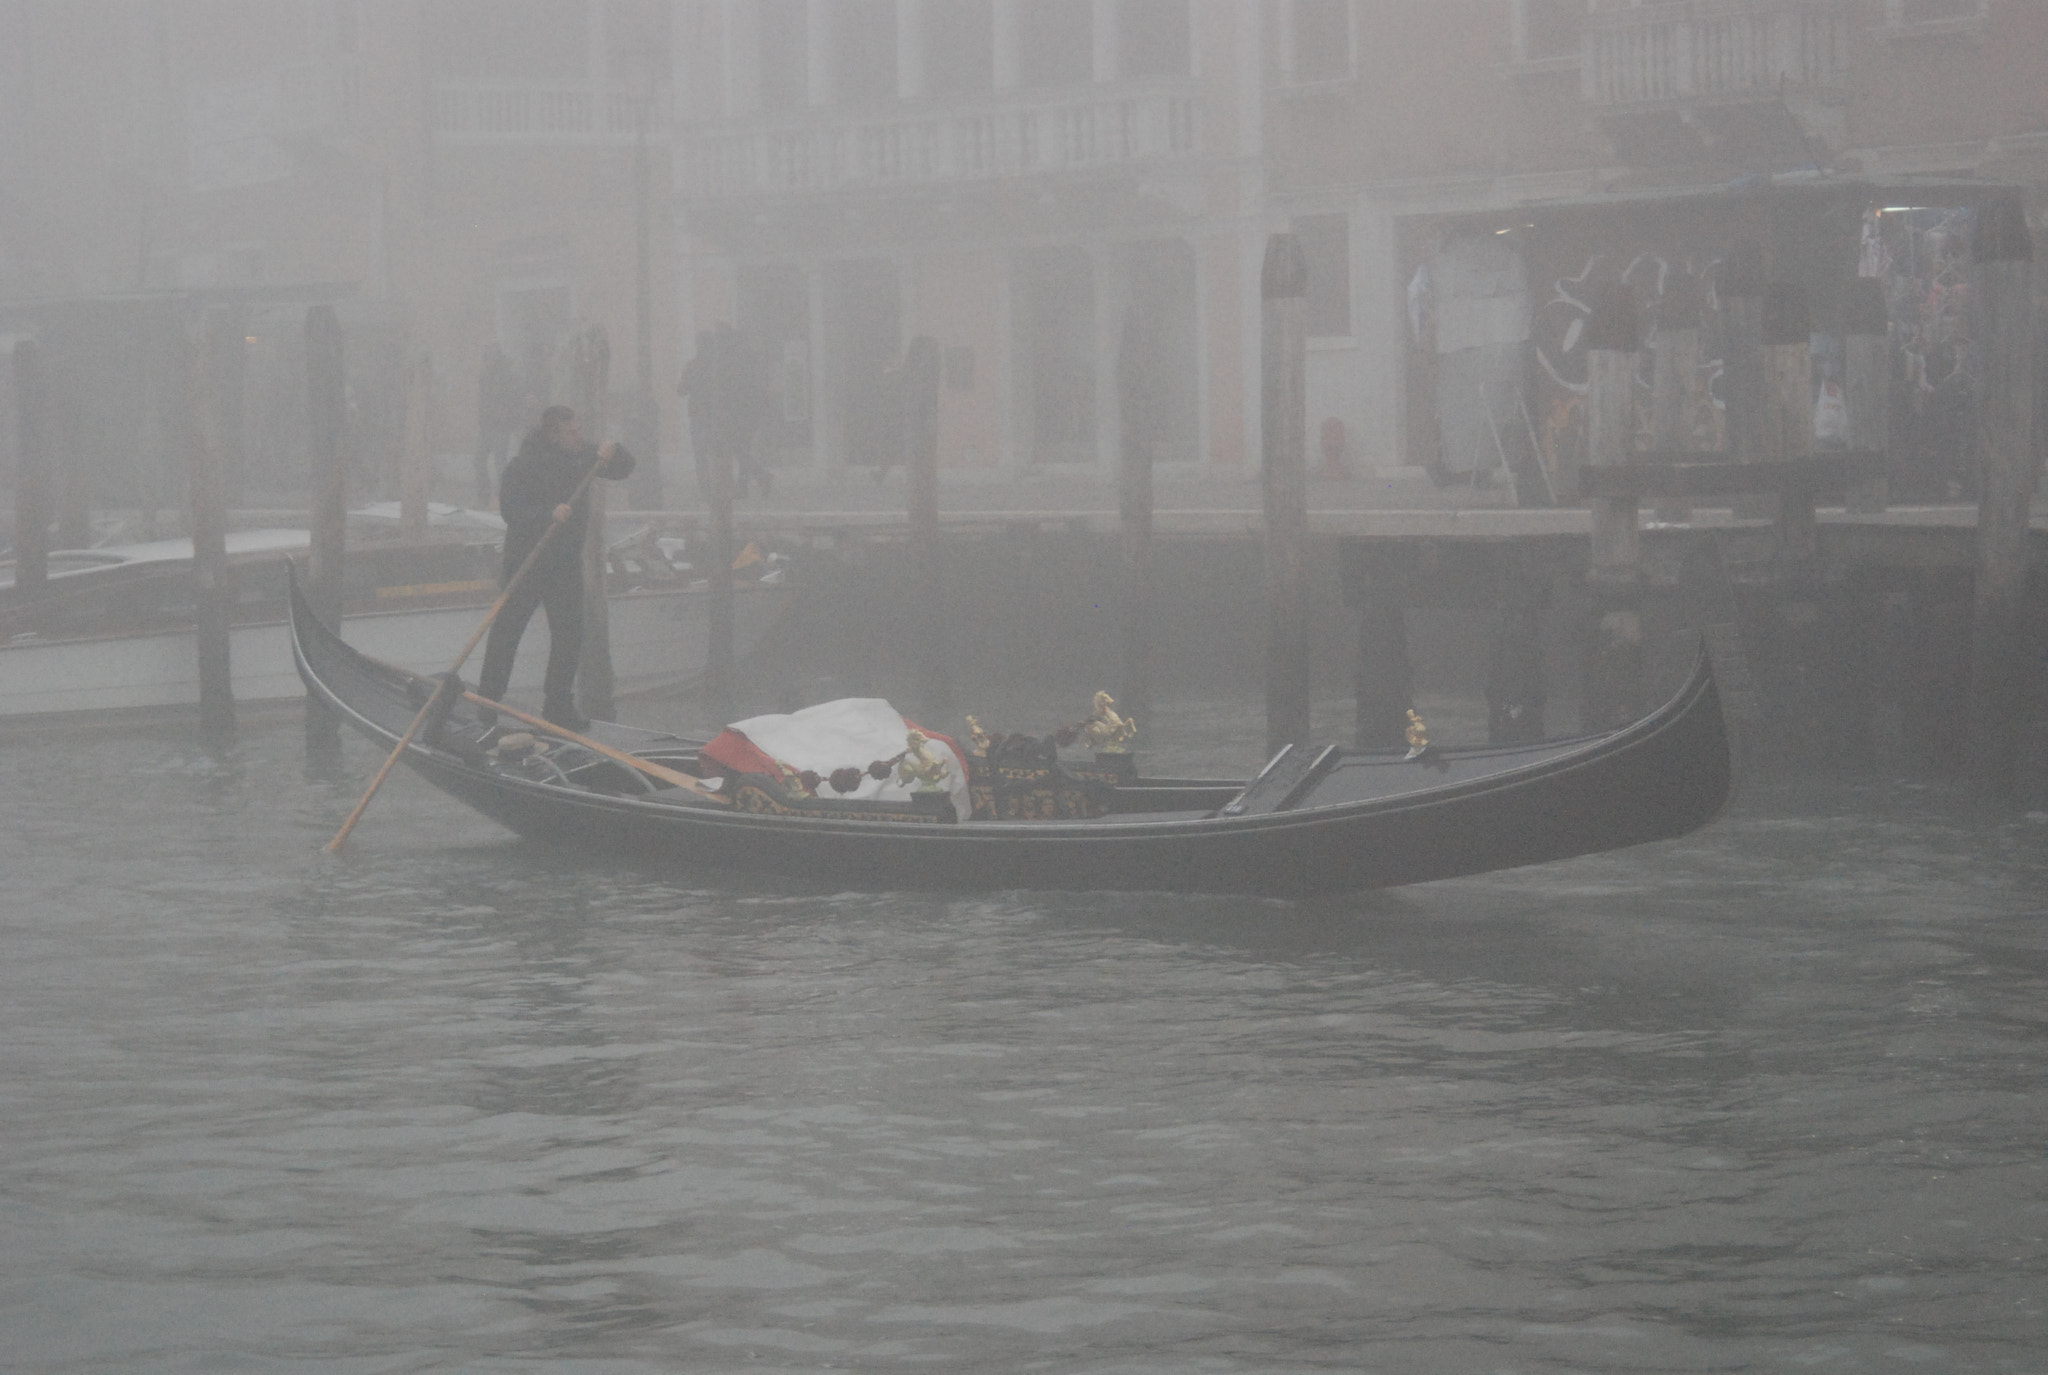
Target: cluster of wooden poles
[(1770, 457), (1770, 460), (1284, 339), (188, 355)]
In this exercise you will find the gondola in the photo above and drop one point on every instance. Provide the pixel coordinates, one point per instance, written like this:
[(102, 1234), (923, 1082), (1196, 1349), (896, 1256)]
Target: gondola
[(1315, 821)]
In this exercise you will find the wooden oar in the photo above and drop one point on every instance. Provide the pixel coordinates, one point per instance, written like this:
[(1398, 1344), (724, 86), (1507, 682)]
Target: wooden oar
[(631, 761), (441, 685)]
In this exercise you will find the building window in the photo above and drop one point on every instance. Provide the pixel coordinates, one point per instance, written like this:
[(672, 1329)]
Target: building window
[(1056, 354), (785, 54), (1547, 30), (1056, 42), (959, 46), (1319, 40), (864, 53), (773, 311), (863, 341), (1153, 38), (1326, 247)]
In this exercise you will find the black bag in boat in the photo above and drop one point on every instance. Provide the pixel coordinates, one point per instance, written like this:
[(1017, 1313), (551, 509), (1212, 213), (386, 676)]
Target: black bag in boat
[(1021, 778)]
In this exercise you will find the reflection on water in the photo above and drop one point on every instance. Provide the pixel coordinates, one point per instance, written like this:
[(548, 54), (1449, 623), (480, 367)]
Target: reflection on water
[(1764, 1099)]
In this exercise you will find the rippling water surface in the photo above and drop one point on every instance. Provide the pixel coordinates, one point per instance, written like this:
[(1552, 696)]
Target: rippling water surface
[(1769, 1098)]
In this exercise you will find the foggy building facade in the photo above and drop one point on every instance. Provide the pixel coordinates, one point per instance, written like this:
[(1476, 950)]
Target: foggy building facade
[(454, 176), (1031, 183), (1471, 170), (1043, 187)]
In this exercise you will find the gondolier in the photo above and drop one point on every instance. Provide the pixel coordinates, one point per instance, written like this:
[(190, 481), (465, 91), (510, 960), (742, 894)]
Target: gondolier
[(535, 492)]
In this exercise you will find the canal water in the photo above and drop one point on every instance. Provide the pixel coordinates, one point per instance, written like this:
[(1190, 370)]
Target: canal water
[(1769, 1098)]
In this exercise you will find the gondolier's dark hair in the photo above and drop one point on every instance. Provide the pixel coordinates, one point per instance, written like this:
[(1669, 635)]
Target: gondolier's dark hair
[(554, 416)]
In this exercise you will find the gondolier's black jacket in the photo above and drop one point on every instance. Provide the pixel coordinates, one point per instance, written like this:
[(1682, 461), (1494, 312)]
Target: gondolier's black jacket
[(537, 480)]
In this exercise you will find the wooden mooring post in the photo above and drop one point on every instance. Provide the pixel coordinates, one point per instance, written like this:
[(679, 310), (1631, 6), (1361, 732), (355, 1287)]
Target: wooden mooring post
[(1135, 386), (1613, 338), (64, 439), (1283, 419), (2011, 470), (920, 414), (1516, 692), (416, 447), (1614, 653), (596, 682), (31, 469), (1867, 385), (1674, 382), (718, 473), (1788, 415), (1739, 286), (193, 374), (326, 419), (1378, 578)]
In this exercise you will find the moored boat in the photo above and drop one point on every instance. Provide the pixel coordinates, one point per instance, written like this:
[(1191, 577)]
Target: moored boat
[(113, 630), (1314, 821)]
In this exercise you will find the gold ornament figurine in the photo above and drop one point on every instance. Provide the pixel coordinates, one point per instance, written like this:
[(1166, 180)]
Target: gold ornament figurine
[(920, 769), (1107, 732), (982, 739), (1418, 735)]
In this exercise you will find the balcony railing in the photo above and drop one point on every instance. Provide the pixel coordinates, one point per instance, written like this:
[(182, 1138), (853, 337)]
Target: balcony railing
[(1715, 49), (967, 144), (528, 114)]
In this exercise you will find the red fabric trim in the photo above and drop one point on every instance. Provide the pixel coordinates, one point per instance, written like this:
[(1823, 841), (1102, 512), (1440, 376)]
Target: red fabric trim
[(732, 751)]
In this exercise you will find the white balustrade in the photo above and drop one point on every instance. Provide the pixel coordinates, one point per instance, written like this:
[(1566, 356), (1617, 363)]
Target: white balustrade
[(1706, 50), (478, 113), (814, 153)]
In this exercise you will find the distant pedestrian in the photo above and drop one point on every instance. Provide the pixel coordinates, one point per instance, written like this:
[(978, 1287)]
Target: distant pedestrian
[(535, 494)]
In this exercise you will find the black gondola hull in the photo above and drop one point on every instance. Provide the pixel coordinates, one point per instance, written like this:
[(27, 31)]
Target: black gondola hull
[(1467, 812)]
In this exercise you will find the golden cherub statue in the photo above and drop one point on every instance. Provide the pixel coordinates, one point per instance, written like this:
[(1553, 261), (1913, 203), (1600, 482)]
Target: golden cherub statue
[(1107, 732), (920, 769), (1418, 734), (982, 739)]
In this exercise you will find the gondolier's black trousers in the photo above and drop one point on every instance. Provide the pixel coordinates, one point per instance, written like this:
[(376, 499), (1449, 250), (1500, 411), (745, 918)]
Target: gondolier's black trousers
[(560, 590)]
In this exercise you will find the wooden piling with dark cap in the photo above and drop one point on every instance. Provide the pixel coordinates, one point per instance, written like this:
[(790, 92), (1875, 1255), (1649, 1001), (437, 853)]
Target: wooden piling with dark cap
[(1739, 288), (326, 416), (1136, 387), (1613, 687), (1788, 411), (31, 469), (596, 681), (63, 435), (717, 467), (920, 402), (416, 447), (1283, 294), (1516, 692), (230, 364), (1377, 579), (1674, 381), (1613, 338), (196, 372), (2010, 473), (1867, 384)]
